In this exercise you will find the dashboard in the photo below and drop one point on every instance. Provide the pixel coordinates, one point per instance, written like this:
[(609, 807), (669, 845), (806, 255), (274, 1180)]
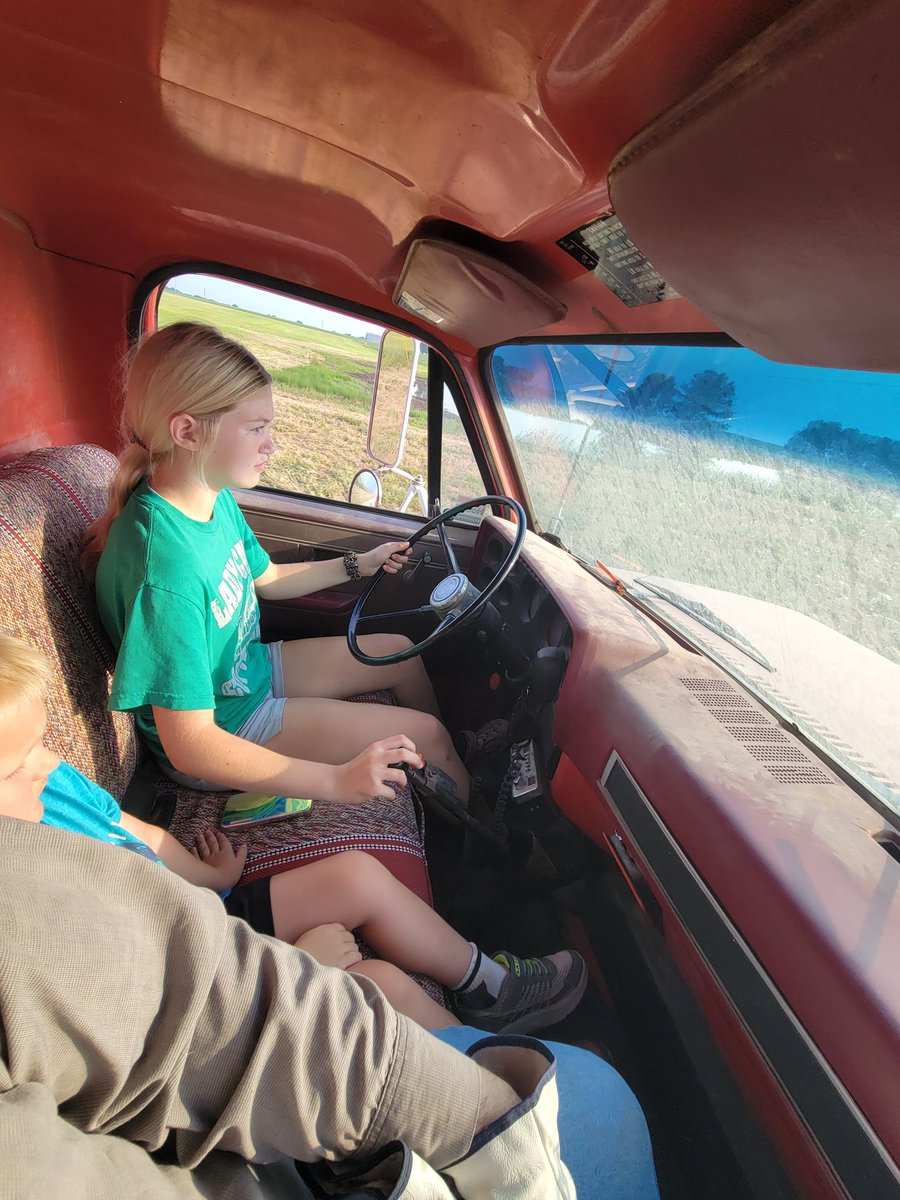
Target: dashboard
[(775, 893), (530, 615)]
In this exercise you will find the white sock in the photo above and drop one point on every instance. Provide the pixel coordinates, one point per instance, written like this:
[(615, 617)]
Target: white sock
[(481, 970)]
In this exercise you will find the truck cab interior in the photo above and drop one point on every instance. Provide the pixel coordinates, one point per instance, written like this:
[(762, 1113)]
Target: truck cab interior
[(640, 257)]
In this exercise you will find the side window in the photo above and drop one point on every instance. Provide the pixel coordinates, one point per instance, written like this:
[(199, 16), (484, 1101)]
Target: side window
[(322, 365), (460, 477)]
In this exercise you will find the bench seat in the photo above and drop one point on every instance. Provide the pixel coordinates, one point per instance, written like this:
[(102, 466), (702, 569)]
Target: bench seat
[(47, 499)]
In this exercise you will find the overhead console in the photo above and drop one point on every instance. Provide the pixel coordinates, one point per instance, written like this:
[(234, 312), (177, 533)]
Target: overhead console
[(470, 294)]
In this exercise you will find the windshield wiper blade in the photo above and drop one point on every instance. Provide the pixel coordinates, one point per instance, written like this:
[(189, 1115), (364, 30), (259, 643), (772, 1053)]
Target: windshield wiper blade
[(692, 608), (706, 617)]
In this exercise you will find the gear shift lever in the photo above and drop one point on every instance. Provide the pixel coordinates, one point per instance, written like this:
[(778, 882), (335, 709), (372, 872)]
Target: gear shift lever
[(431, 783)]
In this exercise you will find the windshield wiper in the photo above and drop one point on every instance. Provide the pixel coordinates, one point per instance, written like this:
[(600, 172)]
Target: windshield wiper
[(692, 608), (706, 617)]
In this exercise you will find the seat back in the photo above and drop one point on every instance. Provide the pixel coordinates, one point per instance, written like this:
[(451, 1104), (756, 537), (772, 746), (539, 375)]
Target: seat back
[(48, 498)]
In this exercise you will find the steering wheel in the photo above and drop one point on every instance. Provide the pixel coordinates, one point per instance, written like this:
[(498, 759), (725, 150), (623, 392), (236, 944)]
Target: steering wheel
[(454, 601)]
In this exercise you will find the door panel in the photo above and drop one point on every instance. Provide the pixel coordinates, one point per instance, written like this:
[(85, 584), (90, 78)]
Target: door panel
[(300, 529)]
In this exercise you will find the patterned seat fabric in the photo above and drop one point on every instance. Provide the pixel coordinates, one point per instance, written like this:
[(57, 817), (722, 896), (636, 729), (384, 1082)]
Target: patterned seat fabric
[(47, 500), (388, 830)]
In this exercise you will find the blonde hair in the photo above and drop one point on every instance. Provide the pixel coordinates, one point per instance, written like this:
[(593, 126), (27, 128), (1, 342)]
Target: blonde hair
[(183, 368), (24, 672)]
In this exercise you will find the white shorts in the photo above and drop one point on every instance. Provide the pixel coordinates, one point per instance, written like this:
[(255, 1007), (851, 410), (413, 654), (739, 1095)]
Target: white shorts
[(260, 727)]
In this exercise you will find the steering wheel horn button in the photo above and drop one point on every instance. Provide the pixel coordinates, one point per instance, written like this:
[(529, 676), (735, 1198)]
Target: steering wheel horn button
[(452, 594), (454, 601), (448, 591)]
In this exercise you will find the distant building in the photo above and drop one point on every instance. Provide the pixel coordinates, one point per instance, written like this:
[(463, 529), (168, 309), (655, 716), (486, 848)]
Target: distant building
[(373, 339)]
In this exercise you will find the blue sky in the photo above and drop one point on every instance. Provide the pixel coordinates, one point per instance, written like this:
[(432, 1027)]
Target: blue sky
[(774, 400)]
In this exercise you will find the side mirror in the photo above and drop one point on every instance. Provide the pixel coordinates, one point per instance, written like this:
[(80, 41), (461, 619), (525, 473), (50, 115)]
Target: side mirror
[(395, 381), (365, 489)]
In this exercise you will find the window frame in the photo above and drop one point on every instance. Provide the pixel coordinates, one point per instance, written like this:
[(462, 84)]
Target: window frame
[(442, 362)]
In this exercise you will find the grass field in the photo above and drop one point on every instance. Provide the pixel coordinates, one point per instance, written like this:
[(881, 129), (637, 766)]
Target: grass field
[(823, 542), (322, 387), (276, 342)]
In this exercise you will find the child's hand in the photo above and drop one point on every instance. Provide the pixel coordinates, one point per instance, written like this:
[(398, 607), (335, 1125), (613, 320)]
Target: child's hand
[(368, 775), (214, 850), (331, 945), (393, 556)]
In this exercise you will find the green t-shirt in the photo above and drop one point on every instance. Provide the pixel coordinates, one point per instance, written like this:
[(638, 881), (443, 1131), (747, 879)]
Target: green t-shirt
[(176, 597)]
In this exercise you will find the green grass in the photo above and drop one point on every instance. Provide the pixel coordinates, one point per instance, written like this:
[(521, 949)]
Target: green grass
[(823, 542), (276, 342), (325, 380)]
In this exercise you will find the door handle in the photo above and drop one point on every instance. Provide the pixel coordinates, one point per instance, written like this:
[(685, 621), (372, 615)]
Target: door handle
[(635, 878)]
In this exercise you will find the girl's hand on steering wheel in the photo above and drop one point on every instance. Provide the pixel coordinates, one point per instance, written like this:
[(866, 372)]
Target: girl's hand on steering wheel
[(393, 556), (368, 775)]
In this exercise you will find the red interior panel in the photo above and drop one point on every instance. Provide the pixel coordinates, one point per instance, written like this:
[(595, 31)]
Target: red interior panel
[(305, 145)]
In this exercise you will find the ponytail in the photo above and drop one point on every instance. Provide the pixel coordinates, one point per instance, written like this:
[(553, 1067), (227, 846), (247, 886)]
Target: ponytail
[(134, 465), (183, 368)]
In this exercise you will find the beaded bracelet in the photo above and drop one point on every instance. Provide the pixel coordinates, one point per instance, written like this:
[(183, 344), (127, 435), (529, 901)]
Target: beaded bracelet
[(351, 565)]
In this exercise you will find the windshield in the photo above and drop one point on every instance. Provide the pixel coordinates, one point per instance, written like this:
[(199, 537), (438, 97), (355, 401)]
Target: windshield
[(756, 505)]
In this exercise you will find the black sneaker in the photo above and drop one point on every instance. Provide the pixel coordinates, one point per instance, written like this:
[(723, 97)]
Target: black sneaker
[(492, 737), (536, 993)]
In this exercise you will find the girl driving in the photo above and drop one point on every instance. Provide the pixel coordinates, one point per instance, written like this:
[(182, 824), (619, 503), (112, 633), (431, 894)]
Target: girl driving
[(177, 581), (178, 573)]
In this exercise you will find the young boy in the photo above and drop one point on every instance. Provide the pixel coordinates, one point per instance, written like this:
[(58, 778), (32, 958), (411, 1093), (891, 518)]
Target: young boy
[(315, 906)]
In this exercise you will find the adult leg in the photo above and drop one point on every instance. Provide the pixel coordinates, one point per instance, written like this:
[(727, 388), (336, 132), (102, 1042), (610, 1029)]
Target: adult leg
[(405, 995), (358, 892), (602, 1132), (335, 731)]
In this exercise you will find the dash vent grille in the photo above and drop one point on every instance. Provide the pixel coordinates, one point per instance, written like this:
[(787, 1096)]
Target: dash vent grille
[(781, 756)]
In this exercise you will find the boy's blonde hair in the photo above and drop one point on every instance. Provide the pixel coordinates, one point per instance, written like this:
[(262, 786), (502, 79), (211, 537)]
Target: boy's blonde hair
[(186, 368), (24, 672)]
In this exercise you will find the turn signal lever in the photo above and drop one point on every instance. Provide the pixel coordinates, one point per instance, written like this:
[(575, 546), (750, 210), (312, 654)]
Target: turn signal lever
[(431, 783)]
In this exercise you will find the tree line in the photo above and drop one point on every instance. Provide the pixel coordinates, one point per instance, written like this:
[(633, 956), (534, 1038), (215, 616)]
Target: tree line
[(833, 442), (707, 397)]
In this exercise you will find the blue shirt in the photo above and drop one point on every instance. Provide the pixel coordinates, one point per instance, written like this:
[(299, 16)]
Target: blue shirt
[(72, 801)]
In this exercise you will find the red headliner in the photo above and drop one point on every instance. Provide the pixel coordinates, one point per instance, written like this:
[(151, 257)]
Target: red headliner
[(310, 142)]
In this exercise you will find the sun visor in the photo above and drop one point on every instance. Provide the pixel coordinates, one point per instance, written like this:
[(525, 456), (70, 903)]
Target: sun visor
[(771, 197), (471, 295)]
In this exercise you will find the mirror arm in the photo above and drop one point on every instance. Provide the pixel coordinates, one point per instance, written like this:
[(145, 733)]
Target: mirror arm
[(405, 474), (435, 416)]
